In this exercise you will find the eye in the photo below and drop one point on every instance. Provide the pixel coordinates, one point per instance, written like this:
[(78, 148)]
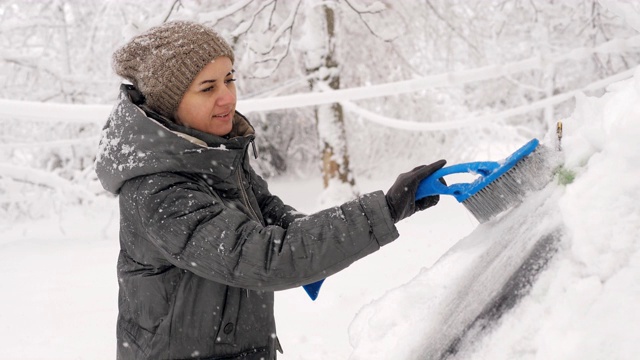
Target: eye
[(229, 81), (207, 89)]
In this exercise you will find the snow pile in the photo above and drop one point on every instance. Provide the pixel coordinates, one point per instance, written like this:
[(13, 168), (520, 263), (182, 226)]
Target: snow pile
[(585, 304)]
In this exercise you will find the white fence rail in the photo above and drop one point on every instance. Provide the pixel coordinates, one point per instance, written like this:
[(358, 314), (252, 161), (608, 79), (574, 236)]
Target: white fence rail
[(481, 120), (11, 110), (34, 111)]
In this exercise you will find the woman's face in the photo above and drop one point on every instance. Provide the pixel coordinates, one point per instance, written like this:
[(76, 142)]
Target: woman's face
[(210, 101)]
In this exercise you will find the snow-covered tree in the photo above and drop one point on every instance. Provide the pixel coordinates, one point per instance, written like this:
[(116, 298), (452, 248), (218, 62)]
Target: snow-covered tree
[(322, 64), (294, 44), (521, 52)]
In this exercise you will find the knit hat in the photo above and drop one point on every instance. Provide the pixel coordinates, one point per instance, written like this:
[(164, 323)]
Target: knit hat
[(162, 62)]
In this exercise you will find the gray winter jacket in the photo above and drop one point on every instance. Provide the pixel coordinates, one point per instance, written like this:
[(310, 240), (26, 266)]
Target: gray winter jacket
[(204, 244)]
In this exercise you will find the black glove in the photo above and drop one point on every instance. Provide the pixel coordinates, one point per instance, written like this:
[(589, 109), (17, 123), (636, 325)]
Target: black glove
[(401, 197)]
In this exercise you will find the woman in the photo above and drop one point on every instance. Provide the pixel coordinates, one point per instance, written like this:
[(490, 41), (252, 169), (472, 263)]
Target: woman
[(203, 243)]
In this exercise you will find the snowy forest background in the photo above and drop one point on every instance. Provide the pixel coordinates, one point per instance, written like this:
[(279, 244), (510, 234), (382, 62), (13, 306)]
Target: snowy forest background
[(344, 95), (420, 80)]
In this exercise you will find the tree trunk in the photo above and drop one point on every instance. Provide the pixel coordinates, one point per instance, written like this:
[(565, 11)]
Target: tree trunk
[(320, 60)]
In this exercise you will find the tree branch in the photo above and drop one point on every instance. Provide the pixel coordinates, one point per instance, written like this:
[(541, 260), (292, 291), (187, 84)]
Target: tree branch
[(455, 31), (244, 27), (215, 16), (171, 10), (374, 8), (287, 26)]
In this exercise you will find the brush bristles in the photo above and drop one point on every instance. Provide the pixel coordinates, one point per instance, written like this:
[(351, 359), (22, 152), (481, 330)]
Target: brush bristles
[(531, 173)]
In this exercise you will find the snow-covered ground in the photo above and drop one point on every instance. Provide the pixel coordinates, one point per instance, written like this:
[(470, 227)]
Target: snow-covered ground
[(59, 296)]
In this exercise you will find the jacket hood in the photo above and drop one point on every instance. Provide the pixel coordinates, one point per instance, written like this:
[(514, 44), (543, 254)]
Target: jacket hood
[(134, 144)]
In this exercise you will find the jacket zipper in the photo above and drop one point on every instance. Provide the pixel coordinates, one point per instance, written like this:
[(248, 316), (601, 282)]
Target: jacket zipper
[(245, 197)]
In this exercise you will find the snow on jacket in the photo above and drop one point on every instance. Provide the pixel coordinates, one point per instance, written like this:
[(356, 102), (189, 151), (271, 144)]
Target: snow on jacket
[(204, 244)]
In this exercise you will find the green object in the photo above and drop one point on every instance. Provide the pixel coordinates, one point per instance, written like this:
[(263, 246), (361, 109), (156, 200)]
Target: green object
[(565, 176)]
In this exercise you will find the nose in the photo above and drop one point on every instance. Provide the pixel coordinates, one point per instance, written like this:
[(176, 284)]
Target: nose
[(226, 97)]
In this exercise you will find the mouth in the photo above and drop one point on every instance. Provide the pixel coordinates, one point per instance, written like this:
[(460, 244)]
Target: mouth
[(222, 116)]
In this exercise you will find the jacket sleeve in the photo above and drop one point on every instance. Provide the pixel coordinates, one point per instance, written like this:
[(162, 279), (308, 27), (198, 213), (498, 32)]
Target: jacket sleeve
[(274, 211), (196, 232)]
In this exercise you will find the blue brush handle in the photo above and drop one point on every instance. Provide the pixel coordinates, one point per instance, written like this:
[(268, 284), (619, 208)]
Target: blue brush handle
[(432, 185), (313, 289)]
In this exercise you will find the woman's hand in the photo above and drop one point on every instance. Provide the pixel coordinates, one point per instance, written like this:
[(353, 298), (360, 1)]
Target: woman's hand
[(401, 197)]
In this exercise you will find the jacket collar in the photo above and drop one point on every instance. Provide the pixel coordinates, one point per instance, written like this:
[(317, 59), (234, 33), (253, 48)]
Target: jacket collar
[(135, 143)]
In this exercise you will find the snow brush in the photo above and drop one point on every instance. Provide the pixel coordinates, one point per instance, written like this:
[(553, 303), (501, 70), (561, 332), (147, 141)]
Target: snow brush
[(500, 184)]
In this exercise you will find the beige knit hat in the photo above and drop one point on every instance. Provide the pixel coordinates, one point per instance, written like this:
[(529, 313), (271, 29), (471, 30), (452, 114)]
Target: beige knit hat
[(162, 62)]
